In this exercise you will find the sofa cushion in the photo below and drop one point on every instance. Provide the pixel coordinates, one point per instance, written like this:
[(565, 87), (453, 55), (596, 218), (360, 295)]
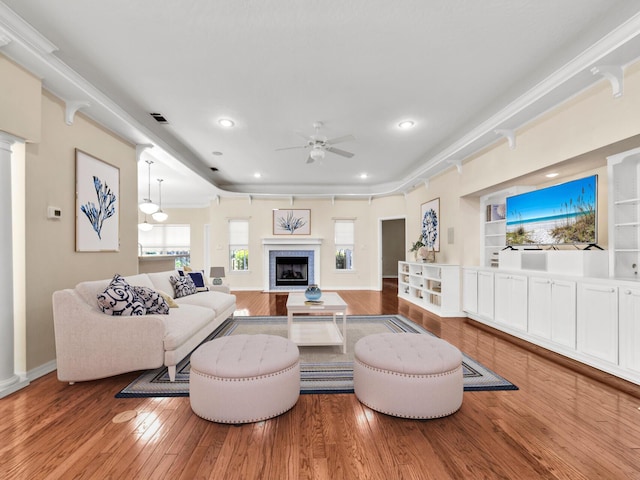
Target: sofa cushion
[(182, 323), (152, 300), (197, 277), (160, 281), (216, 301), (120, 299), (182, 286)]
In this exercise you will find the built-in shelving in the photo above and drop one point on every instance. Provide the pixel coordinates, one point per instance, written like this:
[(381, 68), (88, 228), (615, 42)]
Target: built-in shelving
[(624, 214), (494, 225), (434, 287)]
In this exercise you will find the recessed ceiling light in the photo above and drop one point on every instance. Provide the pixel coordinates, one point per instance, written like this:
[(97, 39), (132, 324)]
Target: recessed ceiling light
[(406, 124), (551, 175), (257, 175), (363, 176), (216, 153), (226, 122)]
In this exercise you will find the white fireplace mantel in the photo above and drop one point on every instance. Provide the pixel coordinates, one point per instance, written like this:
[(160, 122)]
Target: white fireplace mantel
[(292, 240), (290, 243)]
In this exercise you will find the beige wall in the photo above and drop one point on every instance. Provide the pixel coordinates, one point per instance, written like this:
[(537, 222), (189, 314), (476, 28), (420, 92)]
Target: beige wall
[(50, 261), (19, 101)]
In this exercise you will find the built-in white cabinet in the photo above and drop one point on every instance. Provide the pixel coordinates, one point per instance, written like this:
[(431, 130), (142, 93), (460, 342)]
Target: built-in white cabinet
[(432, 286), (485, 294), (552, 310), (623, 171), (598, 321), (469, 290), (629, 318), (510, 304), (595, 321)]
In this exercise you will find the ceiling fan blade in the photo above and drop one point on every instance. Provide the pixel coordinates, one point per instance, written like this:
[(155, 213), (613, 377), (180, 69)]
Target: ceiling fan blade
[(346, 138), (337, 151), (309, 159), (290, 148)]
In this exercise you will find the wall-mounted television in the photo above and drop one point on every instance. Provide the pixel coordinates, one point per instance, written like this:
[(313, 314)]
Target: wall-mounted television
[(563, 214)]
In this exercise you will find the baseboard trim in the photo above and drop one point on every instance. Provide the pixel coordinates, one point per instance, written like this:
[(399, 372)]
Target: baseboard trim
[(42, 370)]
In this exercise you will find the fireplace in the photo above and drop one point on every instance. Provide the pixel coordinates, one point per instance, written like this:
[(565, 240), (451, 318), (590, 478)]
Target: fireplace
[(292, 271), (291, 264)]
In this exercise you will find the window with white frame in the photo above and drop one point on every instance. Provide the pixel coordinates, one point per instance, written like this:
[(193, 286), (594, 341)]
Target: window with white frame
[(167, 239), (239, 245), (345, 243)]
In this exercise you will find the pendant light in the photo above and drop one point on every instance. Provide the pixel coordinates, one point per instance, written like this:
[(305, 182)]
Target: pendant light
[(145, 226), (147, 206), (160, 216)]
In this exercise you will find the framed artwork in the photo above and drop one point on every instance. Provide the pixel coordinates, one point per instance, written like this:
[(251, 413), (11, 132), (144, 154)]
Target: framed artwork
[(291, 222), (430, 227), (97, 204)]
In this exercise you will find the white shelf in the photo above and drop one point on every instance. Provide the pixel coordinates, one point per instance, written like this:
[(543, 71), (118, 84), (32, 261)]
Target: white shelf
[(434, 287), (316, 333), (623, 171)]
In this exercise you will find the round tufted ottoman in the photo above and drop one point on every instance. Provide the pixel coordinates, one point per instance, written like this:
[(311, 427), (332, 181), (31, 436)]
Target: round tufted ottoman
[(244, 378), (408, 375)]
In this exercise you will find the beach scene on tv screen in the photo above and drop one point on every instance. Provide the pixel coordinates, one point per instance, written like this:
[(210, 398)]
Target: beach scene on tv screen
[(557, 215)]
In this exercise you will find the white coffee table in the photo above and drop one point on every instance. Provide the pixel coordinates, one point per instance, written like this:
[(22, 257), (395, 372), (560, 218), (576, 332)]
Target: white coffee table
[(320, 333)]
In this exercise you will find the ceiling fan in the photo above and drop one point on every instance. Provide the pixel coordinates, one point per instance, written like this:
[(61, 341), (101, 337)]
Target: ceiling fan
[(318, 145)]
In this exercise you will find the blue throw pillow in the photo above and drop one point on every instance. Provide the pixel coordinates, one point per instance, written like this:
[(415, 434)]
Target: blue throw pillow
[(197, 277)]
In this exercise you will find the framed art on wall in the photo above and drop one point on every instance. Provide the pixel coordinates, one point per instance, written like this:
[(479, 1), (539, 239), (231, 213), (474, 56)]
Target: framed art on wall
[(291, 222), (430, 226), (97, 204)]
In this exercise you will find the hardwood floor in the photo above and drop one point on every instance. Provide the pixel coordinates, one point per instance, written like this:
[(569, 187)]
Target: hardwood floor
[(560, 424)]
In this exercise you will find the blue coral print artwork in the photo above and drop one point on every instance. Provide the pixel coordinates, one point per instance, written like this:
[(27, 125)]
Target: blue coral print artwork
[(105, 209), (291, 222), (97, 205)]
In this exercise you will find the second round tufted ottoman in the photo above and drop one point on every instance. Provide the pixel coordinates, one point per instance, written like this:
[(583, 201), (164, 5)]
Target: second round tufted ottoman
[(244, 378), (408, 375)]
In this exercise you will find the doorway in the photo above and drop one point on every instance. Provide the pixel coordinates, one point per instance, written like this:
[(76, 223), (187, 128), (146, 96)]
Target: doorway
[(392, 246)]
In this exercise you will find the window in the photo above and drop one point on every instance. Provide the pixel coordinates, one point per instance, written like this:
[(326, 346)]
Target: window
[(239, 245), (344, 240), (167, 240)]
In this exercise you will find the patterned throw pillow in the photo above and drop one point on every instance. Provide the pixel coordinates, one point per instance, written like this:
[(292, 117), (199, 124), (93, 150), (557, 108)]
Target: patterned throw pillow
[(119, 299), (183, 286), (153, 301)]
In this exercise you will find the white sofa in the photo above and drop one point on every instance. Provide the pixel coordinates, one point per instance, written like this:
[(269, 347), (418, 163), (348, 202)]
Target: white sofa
[(91, 344)]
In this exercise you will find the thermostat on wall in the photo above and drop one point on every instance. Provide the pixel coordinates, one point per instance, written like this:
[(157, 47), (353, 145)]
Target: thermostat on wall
[(54, 213)]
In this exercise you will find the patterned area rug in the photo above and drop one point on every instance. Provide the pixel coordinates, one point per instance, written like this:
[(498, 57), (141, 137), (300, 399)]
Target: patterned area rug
[(322, 369)]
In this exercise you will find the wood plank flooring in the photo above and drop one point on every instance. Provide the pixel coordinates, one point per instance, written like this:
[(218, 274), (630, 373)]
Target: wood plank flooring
[(563, 423)]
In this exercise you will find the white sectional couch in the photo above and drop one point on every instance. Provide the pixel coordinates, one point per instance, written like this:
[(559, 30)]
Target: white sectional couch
[(91, 344)]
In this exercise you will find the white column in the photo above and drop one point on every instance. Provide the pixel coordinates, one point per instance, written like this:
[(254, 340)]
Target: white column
[(9, 380)]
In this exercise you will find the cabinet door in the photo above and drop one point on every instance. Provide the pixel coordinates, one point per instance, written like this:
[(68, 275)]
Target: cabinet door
[(470, 290), (540, 311), (630, 328), (485, 294), (563, 313), (511, 300), (598, 321), (502, 298)]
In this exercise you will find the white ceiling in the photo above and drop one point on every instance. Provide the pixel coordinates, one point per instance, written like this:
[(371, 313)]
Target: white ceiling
[(459, 68)]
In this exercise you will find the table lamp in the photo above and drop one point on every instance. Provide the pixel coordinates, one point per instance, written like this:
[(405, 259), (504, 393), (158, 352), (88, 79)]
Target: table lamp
[(216, 273)]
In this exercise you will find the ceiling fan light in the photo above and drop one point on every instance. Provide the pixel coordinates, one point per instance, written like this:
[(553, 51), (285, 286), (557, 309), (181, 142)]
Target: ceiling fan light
[(317, 154), (148, 207)]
